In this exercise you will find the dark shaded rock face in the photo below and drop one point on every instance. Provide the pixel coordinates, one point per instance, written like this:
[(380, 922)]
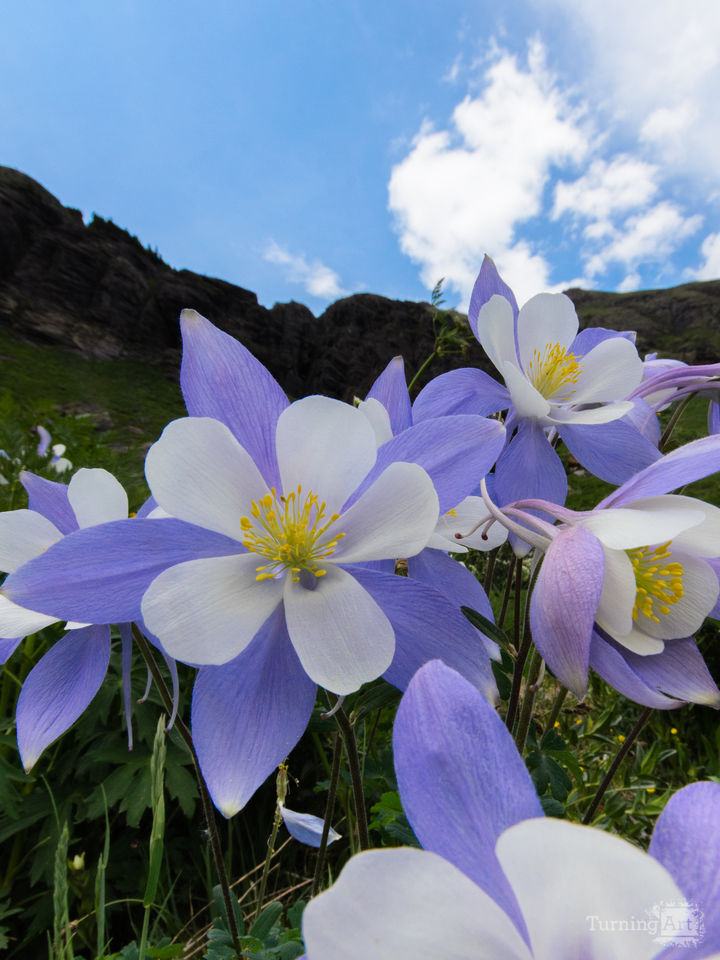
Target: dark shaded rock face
[(97, 290)]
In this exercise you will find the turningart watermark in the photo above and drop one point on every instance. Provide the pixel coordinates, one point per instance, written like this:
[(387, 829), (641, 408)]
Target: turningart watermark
[(676, 922)]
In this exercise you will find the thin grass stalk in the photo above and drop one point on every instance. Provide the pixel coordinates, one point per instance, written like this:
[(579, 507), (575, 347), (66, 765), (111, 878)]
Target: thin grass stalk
[(329, 811), (533, 683), (620, 756), (355, 776), (204, 795)]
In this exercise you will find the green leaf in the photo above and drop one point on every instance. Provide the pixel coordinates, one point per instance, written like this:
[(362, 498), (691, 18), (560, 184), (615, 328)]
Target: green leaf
[(486, 626), (552, 807), (267, 920)]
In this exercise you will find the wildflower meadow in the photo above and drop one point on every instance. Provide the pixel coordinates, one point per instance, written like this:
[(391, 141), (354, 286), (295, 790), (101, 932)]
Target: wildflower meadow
[(429, 675)]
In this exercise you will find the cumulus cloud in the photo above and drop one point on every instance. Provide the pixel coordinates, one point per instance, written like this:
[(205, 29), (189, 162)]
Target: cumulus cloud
[(710, 267), (658, 65), (608, 188), (647, 237), (318, 279), (466, 190)]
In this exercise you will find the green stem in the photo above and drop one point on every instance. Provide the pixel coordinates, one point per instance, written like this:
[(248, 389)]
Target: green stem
[(632, 736), (556, 708), (204, 795), (522, 646), (422, 370), (490, 570), (355, 776), (672, 422), (506, 595), (329, 810), (268, 858), (144, 933), (531, 690)]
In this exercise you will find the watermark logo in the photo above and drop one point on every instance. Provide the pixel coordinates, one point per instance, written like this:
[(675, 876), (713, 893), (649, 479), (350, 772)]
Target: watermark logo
[(676, 922)]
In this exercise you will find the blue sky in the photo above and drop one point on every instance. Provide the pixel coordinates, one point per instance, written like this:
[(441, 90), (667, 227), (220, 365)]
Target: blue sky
[(311, 149)]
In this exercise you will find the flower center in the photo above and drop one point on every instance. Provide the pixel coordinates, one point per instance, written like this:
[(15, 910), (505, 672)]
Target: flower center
[(659, 584), (553, 371), (290, 533)]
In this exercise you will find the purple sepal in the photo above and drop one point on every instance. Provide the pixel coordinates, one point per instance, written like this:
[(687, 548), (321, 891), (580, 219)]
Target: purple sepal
[(609, 663), (612, 451), (147, 508), (713, 417), (686, 841), (679, 671), (8, 647), (248, 714), (59, 688), (99, 574), (454, 581), (564, 604), (390, 389), (688, 463), (714, 562), (487, 285), (455, 452), (427, 627), (465, 390), (50, 499), (643, 418), (306, 827), (461, 779), (591, 336), (529, 468), (220, 378)]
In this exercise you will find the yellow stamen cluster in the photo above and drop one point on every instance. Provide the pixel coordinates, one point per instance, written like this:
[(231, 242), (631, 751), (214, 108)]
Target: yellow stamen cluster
[(553, 371), (288, 531), (659, 584)]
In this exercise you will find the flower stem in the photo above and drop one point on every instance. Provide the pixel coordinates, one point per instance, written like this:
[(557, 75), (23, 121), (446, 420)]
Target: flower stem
[(631, 737), (522, 642), (490, 570), (556, 708), (533, 683), (329, 810), (204, 795), (506, 595), (423, 368), (268, 858), (355, 776), (677, 413)]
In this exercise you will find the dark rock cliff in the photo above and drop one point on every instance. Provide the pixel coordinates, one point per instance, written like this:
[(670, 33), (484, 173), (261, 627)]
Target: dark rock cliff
[(97, 290)]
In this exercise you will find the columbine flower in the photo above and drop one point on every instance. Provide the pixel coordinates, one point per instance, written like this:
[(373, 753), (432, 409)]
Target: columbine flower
[(496, 880), (556, 380), (249, 575), (388, 409), (64, 681), (623, 587)]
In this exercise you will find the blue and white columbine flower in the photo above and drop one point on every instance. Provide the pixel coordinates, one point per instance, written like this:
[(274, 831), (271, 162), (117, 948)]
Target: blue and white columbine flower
[(498, 881), (556, 382), (264, 574), (64, 681)]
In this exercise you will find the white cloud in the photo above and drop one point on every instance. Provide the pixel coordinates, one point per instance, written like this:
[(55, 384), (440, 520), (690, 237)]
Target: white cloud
[(608, 188), (710, 267), (465, 191), (658, 65), (648, 237), (631, 282), (318, 279)]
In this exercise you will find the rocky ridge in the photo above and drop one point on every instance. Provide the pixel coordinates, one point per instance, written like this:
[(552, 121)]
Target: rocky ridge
[(94, 288)]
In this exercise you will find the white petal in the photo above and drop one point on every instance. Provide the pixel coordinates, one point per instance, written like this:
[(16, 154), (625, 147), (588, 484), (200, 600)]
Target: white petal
[(605, 413), (198, 472), (340, 634), (700, 539), (23, 535), (395, 517), (610, 371), (97, 497), (461, 519), (622, 528), (528, 401), (207, 611), (639, 642), (16, 621), (568, 878), (496, 331), (545, 320), (687, 614), (378, 418), (614, 613), (407, 904), (325, 445)]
